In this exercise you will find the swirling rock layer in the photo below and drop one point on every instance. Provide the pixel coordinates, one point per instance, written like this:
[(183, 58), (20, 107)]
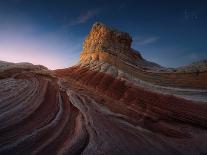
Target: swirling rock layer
[(125, 119), (88, 112), (37, 117), (80, 111)]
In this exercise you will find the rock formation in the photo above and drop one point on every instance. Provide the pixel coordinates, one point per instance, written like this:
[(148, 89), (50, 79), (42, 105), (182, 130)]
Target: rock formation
[(112, 102), (109, 49), (103, 42)]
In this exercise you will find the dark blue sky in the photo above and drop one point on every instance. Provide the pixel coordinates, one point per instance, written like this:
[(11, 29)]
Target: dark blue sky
[(51, 32)]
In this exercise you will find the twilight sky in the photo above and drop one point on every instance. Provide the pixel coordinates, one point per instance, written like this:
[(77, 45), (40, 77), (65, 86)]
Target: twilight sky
[(51, 32)]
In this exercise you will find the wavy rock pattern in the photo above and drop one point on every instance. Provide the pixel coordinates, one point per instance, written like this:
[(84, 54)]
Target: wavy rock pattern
[(37, 117), (94, 113), (153, 123)]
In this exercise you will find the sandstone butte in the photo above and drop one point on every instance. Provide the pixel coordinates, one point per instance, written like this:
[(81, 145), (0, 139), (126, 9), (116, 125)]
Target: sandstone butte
[(112, 102)]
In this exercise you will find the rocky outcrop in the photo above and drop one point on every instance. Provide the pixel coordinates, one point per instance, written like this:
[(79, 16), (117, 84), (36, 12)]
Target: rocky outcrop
[(110, 50), (104, 44), (99, 106)]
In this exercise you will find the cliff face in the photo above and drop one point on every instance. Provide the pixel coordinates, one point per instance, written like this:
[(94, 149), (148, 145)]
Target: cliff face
[(111, 103)]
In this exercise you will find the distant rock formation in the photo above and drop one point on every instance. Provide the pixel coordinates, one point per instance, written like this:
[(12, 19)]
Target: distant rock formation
[(200, 66), (112, 102)]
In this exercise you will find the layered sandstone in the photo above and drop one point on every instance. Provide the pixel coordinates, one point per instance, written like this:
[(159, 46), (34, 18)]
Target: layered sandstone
[(101, 105), (80, 111)]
